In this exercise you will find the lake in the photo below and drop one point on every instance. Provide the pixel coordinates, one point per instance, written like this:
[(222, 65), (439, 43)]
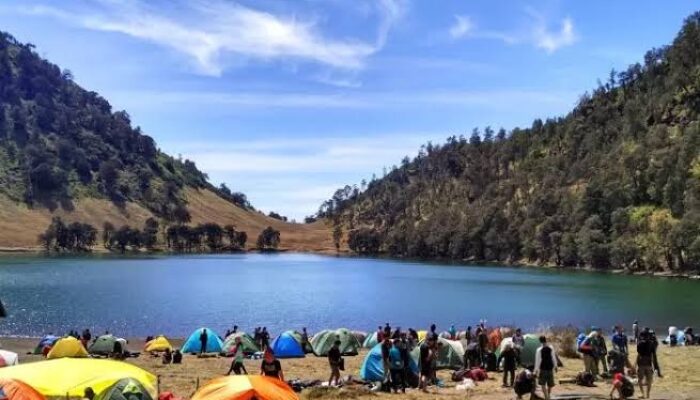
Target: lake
[(139, 296)]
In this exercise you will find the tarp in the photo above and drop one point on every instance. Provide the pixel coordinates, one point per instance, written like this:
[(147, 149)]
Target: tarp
[(249, 345), (14, 389), (125, 389), (67, 347), (323, 341), (527, 353), (370, 341), (372, 368), (103, 345), (245, 387), (287, 346), (72, 375), (47, 340), (8, 358), (193, 344), (450, 354), (158, 344)]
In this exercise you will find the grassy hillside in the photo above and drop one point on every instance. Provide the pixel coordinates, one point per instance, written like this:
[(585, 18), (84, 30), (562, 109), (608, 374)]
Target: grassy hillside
[(613, 184)]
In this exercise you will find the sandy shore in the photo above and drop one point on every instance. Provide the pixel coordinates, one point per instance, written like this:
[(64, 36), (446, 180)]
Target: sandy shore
[(680, 366)]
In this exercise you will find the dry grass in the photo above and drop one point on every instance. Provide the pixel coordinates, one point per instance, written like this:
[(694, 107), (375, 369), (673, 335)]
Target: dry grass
[(21, 225), (680, 367)]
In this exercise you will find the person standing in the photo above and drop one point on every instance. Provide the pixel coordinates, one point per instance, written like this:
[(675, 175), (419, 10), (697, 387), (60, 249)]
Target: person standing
[(645, 363), (483, 340), (86, 337), (380, 334), (271, 366), (545, 367), (468, 335), (619, 340), (265, 338), (453, 332), (203, 338), (386, 364), (237, 366), (427, 353), (304, 340), (433, 332), (635, 331), (396, 365), (600, 350), (510, 361), (335, 360)]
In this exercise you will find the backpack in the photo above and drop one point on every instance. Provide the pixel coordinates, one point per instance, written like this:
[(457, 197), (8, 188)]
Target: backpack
[(585, 379), (627, 389), (491, 362)]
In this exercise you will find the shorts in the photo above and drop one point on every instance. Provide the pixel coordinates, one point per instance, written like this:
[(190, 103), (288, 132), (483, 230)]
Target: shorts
[(546, 377), (426, 371), (645, 374)]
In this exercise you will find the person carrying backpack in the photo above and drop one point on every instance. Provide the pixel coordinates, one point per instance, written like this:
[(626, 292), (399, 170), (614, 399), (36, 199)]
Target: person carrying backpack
[(396, 365), (545, 367), (645, 362), (623, 386)]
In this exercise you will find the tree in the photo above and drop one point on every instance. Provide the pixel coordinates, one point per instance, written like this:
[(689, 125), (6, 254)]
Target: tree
[(150, 233), (337, 236), (268, 239), (107, 233)]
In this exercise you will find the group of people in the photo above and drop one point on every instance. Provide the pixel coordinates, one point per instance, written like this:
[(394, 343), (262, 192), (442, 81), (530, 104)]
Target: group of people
[(270, 365)]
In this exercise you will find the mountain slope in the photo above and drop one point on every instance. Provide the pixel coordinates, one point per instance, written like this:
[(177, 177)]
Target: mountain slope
[(615, 183), (64, 152)]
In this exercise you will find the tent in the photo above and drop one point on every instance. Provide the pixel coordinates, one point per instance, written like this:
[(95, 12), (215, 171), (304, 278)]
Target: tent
[(158, 344), (422, 335), (70, 376), (48, 340), (104, 345), (287, 346), (450, 354), (373, 367), (245, 387), (323, 341), (360, 336), (14, 389), (193, 345), (67, 347), (370, 341), (680, 336), (249, 345), (124, 389), (8, 358), (527, 353)]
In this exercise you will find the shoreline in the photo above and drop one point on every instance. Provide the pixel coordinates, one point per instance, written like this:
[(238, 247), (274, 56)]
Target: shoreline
[(39, 252)]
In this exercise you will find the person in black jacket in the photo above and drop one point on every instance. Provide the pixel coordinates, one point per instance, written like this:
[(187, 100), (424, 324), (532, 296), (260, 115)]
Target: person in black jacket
[(203, 338), (510, 362)]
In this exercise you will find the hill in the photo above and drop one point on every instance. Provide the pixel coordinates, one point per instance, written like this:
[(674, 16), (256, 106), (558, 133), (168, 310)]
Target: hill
[(613, 184), (65, 152)]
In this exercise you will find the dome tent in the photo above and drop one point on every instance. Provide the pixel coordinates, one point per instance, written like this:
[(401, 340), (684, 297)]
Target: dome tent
[(450, 354), (527, 353), (124, 389), (370, 341), (287, 346), (67, 347), (249, 345), (323, 341), (245, 387), (16, 389), (193, 345), (104, 345), (8, 358), (158, 344), (373, 366), (48, 340)]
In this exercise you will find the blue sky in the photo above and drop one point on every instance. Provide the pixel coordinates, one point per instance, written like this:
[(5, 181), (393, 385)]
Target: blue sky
[(287, 101)]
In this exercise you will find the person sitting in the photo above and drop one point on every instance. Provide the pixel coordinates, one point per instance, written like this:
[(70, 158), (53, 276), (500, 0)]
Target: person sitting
[(690, 339), (524, 384), (167, 357), (271, 366), (623, 386), (177, 357)]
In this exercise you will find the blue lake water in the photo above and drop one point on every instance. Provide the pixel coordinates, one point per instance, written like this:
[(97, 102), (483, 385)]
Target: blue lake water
[(138, 296)]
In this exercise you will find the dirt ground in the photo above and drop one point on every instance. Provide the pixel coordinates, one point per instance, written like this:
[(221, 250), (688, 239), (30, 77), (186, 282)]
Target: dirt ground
[(680, 367)]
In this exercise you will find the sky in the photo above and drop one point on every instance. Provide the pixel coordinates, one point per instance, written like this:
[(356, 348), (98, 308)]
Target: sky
[(287, 101)]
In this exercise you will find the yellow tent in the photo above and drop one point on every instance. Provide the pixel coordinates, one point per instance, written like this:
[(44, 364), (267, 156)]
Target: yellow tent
[(67, 347), (422, 335), (72, 375), (158, 344)]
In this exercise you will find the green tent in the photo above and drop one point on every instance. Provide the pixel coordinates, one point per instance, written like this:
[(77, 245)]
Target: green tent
[(450, 354), (249, 345), (103, 345), (527, 353), (125, 389), (323, 341), (370, 341)]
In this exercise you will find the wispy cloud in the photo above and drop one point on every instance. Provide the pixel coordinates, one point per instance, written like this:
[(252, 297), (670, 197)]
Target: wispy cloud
[(538, 32), (210, 33), (462, 26)]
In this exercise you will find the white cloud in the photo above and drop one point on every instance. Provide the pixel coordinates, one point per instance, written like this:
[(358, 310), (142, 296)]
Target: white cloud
[(463, 25), (552, 41), (209, 32)]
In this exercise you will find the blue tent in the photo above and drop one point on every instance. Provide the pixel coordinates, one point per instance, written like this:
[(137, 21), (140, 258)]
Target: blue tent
[(286, 346), (47, 340), (193, 345), (373, 367)]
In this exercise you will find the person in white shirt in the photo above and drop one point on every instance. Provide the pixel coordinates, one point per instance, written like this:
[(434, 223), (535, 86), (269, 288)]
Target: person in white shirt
[(545, 367)]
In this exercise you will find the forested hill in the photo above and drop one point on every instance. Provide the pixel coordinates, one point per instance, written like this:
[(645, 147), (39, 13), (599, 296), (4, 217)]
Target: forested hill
[(59, 142), (613, 184), (65, 153)]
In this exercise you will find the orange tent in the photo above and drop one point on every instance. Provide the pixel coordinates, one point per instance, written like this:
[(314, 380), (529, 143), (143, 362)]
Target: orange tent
[(14, 389), (245, 387)]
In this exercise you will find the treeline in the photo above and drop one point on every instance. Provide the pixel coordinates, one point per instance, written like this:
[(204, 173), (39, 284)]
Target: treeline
[(613, 184), (81, 237), (59, 141)]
